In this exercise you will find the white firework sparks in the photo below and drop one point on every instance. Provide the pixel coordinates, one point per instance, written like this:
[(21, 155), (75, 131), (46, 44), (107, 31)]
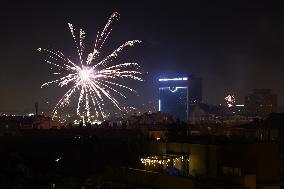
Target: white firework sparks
[(94, 82), (230, 100)]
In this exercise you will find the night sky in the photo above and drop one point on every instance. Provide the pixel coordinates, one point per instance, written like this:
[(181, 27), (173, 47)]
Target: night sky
[(234, 46)]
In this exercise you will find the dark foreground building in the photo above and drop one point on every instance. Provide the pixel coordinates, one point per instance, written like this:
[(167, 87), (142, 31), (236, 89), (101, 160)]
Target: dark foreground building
[(247, 157)]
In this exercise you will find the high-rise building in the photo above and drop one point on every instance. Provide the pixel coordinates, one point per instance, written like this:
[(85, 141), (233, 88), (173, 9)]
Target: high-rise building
[(261, 103), (176, 94)]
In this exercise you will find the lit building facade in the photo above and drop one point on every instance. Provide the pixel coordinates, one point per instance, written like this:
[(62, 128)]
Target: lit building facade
[(261, 103), (176, 94)]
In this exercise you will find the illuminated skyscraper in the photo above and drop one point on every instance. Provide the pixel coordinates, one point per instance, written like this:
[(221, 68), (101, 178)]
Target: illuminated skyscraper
[(176, 94)]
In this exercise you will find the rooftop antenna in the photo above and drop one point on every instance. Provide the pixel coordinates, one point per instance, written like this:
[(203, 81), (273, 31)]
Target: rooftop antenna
[(36, 108)]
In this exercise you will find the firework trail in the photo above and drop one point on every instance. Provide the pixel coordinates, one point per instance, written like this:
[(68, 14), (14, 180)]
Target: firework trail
[(94, 82)]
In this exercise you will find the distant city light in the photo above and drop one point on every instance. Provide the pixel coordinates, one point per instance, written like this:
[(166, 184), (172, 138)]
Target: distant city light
[(240, 105), (174, 79), (174, 90), (76, 122), (57, 159), (96, 122), (156, 160)]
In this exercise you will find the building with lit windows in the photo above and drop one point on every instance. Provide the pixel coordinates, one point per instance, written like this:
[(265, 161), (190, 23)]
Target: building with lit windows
[(261, 103), (177, 94)]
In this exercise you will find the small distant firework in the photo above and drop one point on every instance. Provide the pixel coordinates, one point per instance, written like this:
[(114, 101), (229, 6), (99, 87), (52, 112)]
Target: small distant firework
[(230, 100), (91, 80)]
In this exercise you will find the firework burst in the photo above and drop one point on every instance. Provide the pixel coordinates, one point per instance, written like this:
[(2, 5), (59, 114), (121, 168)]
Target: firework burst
[(230, 100), (93, 81)]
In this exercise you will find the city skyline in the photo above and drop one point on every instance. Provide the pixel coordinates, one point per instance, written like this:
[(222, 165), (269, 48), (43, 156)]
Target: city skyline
[(233, 47), (141, 94)]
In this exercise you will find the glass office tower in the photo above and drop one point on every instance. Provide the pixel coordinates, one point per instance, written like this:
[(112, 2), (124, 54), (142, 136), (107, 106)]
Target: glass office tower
[(176, 94)]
